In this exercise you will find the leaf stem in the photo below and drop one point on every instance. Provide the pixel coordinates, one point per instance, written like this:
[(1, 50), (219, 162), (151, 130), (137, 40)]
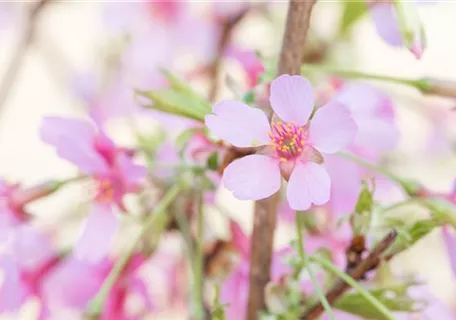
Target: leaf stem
[(199, 256), (419, 84), (328, 265), (409, 187), (307, 265)]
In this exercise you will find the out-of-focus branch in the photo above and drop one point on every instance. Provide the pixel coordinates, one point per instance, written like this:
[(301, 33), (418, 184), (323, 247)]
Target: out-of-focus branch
[(227, 27), (340, 286), (9, 78), (292, 53)]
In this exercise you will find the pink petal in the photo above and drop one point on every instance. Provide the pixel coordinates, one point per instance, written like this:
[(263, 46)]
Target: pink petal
[(83, 278), (99, 230), (138, 286), (309, 183), (13, 293), (373, 113), (386, 23), (234, 291), (74, 140), (253, 177), (292, 98), (32, 247), (450, 243), (376, 134), (133, 174), (239, 238), (239, 124), (332, 128), (345, 184)]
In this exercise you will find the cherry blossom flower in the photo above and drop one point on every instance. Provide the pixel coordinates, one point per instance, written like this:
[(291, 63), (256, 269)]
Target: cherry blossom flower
[(372, 110), (28, 259), (250, 62), (292, 145), (111, 167), (86, 278), (235, 288), (388, 26)]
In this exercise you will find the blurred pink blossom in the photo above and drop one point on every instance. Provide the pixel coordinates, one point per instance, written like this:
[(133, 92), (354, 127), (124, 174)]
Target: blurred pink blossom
[(373, 112), (28, 259), (85, 279), (250, 62), (111, 167), (388, 27)]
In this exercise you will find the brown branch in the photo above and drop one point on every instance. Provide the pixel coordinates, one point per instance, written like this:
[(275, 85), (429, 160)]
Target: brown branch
[(228, 27), (340, 287), (292, 53), (9, 78)]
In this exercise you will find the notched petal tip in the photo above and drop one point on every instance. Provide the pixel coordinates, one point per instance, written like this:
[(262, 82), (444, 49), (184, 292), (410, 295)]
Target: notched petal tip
[(292, 98)]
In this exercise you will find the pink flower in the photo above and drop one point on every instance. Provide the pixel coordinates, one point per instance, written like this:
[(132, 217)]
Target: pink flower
[(291, 146), (373, 112), (28, 259), (112, 169), (249, 61), (234, 290), (386, 21), (85, 280)]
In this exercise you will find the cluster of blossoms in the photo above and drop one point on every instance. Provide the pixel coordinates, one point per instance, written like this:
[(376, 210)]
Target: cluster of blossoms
[(327, 140)]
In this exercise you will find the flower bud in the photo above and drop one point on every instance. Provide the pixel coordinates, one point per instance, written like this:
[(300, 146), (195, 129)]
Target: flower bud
[(410, 26)]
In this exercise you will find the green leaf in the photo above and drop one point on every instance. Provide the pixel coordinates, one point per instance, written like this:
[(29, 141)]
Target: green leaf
[(362, 217), (179, 99), (270, 69), (183, 139), (409, 234), (442, 209), (352, 12), (213, 161), (395, 298), (249, 97)]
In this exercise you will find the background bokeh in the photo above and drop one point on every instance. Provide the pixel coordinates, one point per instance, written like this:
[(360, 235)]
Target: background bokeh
[(73, 44)]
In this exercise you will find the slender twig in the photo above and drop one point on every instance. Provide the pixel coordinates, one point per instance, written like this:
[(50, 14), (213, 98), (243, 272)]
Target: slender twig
[(416, 83), (265, 215), (14, 65), (95, 306), (307, 264), (341, 286), (228, 27), (198, 268), (328, 265)]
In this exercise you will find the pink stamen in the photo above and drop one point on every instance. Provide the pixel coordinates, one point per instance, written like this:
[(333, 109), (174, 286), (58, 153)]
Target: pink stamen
[(287, 140)]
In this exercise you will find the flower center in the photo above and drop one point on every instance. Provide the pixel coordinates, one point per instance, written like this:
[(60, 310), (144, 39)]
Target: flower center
[(105, 190), (287, 140)]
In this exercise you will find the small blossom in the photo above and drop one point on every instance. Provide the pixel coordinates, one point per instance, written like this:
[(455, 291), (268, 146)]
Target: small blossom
[(252, 65), (399, 27), (373, 112), (111, 168), (291, 146), (28, 259), (85, 280)]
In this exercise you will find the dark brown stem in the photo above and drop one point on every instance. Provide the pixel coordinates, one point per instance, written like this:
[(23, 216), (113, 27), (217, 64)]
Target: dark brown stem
[(9, 78), (292, 53), (214, 69), (340, 287)]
